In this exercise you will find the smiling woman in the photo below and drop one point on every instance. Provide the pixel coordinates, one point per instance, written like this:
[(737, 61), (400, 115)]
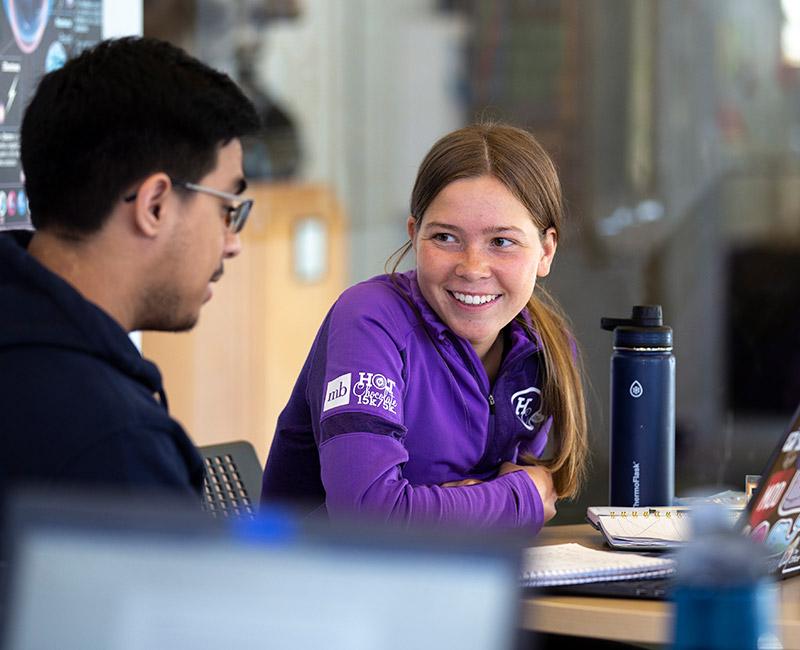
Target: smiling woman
[(478, 256), (429, 396)]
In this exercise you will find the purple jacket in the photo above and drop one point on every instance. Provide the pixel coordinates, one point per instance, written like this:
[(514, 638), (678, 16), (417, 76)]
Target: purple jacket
[(390, 404)]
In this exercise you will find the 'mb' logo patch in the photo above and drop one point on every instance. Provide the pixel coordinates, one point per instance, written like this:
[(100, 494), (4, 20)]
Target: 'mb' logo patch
[(527, 405), (338, 392)]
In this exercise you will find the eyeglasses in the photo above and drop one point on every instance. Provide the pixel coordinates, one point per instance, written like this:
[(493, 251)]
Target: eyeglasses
[(235, 214)]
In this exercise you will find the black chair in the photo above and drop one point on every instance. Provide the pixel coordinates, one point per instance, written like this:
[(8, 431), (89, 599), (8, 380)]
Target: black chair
[(232, 484)]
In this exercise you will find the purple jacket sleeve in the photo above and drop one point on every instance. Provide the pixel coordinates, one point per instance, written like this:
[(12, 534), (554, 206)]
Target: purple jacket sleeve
[(361, 473), (356, 390)]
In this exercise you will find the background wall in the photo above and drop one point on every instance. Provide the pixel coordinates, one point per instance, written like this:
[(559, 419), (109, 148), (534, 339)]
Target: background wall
[(373, 85), (122, 18), (676, 129)]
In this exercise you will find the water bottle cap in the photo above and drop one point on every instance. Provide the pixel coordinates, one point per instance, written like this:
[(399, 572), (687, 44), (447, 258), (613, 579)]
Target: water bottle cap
[(645, 338), (647, 316), (644, 329), (641, 316)]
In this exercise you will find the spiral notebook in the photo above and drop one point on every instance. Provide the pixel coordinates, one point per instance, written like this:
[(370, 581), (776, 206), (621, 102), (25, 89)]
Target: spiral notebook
[(572, 564), (641, 528)]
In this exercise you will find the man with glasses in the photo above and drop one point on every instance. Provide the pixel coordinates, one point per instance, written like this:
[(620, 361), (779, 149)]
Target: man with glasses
[(133, 168)]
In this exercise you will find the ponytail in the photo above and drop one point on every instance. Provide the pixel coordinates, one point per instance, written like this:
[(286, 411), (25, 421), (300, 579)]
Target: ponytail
[(562, 394)]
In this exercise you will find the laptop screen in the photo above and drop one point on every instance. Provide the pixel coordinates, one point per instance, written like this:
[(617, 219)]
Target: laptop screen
[(80, 583), (772, 514)]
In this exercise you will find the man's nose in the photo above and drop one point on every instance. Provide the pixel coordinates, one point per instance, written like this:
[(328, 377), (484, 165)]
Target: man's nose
[(233, 245)]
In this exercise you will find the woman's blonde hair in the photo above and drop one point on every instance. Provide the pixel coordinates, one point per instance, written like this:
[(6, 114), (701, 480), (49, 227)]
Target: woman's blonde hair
[(515, 158)]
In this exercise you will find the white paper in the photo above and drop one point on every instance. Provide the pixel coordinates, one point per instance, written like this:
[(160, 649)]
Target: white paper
[(562, 564)]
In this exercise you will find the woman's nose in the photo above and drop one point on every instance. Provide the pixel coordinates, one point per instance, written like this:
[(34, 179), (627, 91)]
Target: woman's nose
[(473, 264)]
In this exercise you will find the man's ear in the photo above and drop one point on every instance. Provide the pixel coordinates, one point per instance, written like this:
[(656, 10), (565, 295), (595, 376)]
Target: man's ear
[(149, 204), (549, 245)]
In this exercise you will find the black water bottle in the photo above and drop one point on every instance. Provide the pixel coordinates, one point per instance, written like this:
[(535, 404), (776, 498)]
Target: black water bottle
[(642, 436)]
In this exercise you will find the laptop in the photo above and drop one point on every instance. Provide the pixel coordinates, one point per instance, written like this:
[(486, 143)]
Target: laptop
[(772, 518), (117, 575)]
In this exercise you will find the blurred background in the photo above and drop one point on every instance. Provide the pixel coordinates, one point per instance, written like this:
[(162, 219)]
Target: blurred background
[(675, 125)]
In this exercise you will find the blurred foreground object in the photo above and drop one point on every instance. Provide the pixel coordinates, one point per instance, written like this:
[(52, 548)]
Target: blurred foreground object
[(724, 599), (120, 574)]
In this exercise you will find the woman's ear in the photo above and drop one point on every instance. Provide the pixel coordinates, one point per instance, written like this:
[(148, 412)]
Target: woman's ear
[(411, 226), (549, 245)]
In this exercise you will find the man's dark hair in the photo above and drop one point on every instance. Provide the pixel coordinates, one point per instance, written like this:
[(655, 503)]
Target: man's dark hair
[(122, 110)]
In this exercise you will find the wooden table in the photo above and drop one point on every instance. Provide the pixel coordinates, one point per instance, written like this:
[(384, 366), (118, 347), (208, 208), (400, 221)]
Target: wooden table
[(627, 620)]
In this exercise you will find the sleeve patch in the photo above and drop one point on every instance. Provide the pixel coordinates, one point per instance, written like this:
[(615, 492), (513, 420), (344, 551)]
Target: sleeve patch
[(370, 389), (338, 392), (374, 389)]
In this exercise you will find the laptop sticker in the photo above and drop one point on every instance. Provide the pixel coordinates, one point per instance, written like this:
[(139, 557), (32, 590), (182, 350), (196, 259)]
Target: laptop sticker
[(791, 500)]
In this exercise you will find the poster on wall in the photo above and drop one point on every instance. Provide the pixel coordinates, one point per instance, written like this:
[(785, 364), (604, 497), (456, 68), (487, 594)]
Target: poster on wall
[(36, 36)]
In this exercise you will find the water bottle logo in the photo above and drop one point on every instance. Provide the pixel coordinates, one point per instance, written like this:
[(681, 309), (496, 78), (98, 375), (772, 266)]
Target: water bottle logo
[(636, 390)]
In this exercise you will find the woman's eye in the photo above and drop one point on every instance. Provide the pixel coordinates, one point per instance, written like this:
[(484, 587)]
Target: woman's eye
[(502, 242), (445, 237)]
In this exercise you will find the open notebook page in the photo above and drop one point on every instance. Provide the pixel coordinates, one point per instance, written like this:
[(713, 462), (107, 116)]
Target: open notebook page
[(567, 564)]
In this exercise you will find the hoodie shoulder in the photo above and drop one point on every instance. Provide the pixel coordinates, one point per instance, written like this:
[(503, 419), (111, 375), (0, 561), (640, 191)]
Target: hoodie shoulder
[(381, 300), (41, 310)]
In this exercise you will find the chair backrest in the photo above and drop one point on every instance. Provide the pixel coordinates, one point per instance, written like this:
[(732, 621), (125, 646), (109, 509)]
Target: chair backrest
[(232, 484)]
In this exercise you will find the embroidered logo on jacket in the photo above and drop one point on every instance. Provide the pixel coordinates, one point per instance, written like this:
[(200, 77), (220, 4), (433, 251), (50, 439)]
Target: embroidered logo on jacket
[(338, 392), (527, 405), (373, 389)]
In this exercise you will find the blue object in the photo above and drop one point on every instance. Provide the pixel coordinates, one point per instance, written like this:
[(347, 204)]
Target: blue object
[(272, 525), (724, 598), (642, 436), (724, 618)]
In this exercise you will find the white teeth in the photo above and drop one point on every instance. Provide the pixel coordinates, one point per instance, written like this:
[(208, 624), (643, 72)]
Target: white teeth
[(469, 299)]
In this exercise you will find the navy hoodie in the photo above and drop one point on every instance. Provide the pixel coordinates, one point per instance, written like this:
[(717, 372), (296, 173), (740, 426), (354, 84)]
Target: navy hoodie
[(78, 404)]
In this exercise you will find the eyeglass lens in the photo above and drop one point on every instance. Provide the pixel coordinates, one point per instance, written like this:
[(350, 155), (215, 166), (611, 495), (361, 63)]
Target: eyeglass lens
[(237, 216)]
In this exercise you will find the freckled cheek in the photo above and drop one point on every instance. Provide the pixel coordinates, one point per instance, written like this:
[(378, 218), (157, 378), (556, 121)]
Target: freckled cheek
[(433, 268), (518, 287), (517, 270)]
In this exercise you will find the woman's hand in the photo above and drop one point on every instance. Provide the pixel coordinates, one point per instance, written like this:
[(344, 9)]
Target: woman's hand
[(542, 479)]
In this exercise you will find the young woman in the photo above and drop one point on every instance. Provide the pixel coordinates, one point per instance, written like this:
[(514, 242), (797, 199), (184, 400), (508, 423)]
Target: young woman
[(430, 395)]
